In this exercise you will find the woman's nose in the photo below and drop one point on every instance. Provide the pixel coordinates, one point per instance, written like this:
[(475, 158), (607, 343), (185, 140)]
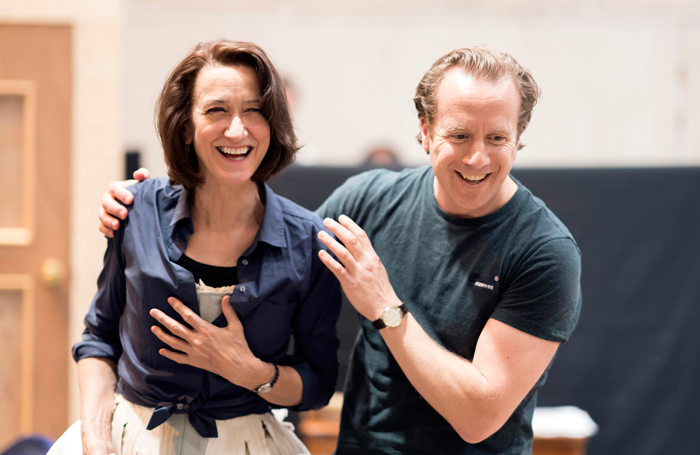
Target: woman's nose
[(236, 129)]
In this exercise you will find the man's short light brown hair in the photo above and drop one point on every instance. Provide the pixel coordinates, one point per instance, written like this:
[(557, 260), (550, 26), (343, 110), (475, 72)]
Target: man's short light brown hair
[(174, 110), (482, 63)]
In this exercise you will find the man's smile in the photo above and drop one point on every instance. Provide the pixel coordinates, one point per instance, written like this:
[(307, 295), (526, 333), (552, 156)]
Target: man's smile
[(472, 179)]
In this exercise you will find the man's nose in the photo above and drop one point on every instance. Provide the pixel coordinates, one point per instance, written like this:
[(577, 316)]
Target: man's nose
[(476, 156), (236, 129)]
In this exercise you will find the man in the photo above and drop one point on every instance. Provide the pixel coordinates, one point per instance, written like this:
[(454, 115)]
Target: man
[(466, 282)]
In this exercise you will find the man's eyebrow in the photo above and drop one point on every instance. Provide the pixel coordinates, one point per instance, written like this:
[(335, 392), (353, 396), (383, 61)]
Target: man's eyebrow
[(456, 129)]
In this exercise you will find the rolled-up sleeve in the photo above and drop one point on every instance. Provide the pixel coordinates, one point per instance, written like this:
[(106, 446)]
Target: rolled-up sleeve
[(101, 335), (316, 341)]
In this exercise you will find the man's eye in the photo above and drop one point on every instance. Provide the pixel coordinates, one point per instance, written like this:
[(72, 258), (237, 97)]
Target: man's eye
[(499, 138), (460, 137)]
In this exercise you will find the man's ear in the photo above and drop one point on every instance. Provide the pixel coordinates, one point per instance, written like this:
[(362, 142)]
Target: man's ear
[(425, 134)]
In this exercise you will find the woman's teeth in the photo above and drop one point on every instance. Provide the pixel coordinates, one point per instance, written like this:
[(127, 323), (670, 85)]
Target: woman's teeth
[(235, 153), (473, 178)]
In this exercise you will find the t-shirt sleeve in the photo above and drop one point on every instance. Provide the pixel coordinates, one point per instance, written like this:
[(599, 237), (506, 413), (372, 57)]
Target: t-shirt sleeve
[(544, 297)]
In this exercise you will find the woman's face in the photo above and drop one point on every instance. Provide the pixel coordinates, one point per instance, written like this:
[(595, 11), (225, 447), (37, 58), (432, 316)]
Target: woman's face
[(230, 134)]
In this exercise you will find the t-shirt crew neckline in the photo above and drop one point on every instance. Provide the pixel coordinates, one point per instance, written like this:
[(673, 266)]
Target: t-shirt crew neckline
[(514, 202)]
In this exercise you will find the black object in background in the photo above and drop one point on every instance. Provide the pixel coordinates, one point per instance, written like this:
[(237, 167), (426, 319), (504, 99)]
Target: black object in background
[(633, 362), (132, 161)]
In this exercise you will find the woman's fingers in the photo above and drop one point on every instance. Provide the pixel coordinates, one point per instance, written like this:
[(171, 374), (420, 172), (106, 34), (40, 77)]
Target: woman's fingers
[(174, 356), (189, 316), (172, 325), (230, 314), (172, 341)]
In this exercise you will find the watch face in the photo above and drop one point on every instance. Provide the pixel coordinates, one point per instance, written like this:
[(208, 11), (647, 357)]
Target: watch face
[(263, 388), (392, 316)]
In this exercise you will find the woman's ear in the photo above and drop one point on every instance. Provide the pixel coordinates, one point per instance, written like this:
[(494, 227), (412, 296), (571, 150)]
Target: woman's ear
[(187, 135)]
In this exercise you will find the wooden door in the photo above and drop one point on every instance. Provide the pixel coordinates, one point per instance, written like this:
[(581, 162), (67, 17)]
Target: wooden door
[(35, 132)]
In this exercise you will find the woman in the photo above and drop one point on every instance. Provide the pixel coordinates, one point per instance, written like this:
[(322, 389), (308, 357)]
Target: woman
[(194, 372)]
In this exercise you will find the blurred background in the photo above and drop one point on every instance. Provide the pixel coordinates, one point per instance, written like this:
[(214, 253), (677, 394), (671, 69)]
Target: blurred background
[(79, 79)]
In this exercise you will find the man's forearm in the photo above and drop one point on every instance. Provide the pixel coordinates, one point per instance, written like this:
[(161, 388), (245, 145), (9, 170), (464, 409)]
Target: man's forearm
[(476, 398), (452, 385)]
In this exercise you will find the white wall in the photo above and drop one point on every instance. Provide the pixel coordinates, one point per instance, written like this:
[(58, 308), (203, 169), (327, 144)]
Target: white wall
[(621, 78), (96, 140)]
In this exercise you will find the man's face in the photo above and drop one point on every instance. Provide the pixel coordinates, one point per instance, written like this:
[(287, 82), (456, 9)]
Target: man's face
[(472, 144)]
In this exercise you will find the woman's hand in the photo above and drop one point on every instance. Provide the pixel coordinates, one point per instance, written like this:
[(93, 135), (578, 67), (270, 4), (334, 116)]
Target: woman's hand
[(97, 379), (112, 211), (99, 443), (223, 351)]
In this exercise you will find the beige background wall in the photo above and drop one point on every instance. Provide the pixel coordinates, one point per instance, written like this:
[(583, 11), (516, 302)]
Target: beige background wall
[(621, 78)]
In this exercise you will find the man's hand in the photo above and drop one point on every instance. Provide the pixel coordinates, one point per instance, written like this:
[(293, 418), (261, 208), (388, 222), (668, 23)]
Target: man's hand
[(223, 351), (111, 211), (361, 274)]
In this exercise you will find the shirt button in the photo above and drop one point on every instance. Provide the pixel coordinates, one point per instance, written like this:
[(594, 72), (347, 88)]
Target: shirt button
[(244, 262), (180, 406), (242, 288)]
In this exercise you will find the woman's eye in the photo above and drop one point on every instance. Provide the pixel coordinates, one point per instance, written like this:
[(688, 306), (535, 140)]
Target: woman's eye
[(253, 109), (214, 110)]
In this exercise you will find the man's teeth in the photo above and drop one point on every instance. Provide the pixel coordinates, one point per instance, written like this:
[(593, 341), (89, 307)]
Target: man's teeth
[(232, 151), (473, 178)]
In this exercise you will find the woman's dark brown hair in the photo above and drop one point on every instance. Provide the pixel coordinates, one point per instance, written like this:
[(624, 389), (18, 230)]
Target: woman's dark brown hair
[(174, 110)]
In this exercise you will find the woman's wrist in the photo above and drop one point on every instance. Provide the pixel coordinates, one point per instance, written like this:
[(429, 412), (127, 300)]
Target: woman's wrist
[(262, 373)]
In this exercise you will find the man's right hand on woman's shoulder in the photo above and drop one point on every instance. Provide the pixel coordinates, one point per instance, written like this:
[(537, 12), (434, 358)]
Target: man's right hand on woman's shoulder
[(112, 211)]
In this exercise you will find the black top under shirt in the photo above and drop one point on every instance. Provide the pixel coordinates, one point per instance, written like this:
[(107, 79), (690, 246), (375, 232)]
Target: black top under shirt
[(211, 275)]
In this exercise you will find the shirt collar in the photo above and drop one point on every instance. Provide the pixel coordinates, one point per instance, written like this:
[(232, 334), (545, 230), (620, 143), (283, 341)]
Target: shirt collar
[(272, 227), (182, 209)]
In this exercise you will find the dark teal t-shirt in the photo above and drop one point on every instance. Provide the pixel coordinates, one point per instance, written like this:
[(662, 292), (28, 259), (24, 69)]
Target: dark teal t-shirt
[(519, 265)]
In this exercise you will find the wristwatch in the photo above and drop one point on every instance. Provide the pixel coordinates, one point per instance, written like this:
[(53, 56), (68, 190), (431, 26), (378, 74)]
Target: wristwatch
[(264, 388), (391, 317)]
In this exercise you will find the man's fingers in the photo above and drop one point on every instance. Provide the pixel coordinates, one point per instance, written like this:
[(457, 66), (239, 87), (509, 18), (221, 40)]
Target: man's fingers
[(336, 248), (106, 231), (112, 207), (334, 266), (350, 240), (356, 230), (118, 190), (142, 174), (107, 220), (173, 342)]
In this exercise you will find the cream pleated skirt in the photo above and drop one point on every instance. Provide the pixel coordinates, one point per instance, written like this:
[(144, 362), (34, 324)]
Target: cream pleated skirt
[(257, 434)]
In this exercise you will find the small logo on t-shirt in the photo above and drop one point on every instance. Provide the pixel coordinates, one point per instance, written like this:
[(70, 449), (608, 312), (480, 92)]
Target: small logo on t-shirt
[(482, 281)]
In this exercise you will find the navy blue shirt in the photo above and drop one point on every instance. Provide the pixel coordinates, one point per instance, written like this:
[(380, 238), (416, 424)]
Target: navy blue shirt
[(284, 289)]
